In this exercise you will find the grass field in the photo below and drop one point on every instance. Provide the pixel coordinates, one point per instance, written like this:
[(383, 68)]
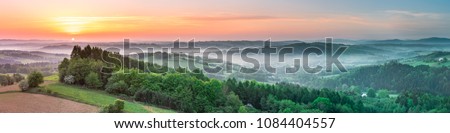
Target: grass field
[(97, 98), (53, 77)]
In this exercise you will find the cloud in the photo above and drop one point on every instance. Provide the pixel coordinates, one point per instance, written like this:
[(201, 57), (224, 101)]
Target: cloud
[(413, 14)]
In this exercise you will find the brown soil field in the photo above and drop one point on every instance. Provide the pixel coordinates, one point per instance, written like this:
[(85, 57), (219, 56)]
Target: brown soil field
[(20, 102), (8, 88)]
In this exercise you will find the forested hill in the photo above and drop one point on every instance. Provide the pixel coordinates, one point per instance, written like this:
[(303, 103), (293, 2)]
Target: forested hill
[(186, 91), (396, 76)]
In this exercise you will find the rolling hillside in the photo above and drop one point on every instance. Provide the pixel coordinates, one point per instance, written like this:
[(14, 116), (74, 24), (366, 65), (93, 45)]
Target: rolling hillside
[(24, 57)]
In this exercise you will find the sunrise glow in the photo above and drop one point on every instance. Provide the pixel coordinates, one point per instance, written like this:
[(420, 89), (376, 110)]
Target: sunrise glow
[(214, 20)]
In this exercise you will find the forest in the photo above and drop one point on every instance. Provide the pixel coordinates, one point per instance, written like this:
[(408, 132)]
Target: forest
[(397, 77), (192, 91)]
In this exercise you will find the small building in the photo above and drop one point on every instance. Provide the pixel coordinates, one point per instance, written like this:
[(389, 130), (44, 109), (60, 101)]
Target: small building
[(364, 95), (443, 59)]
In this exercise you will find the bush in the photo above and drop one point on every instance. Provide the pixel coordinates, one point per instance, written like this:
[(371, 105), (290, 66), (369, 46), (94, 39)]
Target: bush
[(24, 86), (383, 93), (6, 80), (49, 91), (17, 77), (117, 88), (34, 79), (371, 93), (69, 79), (92, 81), (117, 107)]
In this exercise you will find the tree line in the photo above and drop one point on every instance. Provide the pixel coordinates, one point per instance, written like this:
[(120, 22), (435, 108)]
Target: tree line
[(44, 67), (6, 79)]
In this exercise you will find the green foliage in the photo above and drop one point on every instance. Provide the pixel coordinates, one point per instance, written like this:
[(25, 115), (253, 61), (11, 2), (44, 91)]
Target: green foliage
[(117, 107), (45, 68), (6, 80), (93, 81), (417, 101), (9, 80), (323, 104), (383, 93), (232, 103), (53, 77), (242, 109), (397, 77), (371, 93), (186, 91), (117, 88), (81, 68), (17, 77), (62, 69), (35, 78)]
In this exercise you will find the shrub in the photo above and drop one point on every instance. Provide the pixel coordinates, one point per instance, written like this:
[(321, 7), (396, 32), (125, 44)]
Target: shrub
[(17, 77), (117, 107), (242, 109), (69, 79), (3, 80), (6, 80), (49, 91), (371, 93), (92, 81), (23, 85), (383, 93), (117, 88), (35, 78)]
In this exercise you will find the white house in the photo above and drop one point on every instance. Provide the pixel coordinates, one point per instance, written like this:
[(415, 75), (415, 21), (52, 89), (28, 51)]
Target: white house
[(364, 95)]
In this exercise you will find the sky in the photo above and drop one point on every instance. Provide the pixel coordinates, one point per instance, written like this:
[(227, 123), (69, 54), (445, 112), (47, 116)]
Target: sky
[(223, 20)]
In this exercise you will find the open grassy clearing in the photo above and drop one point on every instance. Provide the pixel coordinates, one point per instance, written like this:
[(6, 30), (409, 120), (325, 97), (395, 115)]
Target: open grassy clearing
[(53, 77), (98, 98)]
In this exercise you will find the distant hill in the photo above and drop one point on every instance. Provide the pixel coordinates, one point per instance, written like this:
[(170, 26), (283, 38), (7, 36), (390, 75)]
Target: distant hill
[(56, 47), (434, 55), (431, 40), (352, 49), (435, 40), (18, 57), (434, 59)]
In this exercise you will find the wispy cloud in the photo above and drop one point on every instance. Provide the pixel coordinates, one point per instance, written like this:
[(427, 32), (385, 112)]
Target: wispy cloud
[(413, 14)]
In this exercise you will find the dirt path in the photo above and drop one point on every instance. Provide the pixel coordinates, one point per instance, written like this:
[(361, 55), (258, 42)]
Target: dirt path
[(14, 101)]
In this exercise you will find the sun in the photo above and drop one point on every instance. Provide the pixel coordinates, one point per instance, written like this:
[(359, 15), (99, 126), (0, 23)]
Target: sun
[(73, 39)]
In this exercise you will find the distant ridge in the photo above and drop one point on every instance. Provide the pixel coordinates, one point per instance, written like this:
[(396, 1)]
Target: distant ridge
[(434, 39), (419, 41)]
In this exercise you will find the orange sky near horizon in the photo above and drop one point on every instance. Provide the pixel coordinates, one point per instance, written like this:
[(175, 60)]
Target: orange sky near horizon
[(203, 20)]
